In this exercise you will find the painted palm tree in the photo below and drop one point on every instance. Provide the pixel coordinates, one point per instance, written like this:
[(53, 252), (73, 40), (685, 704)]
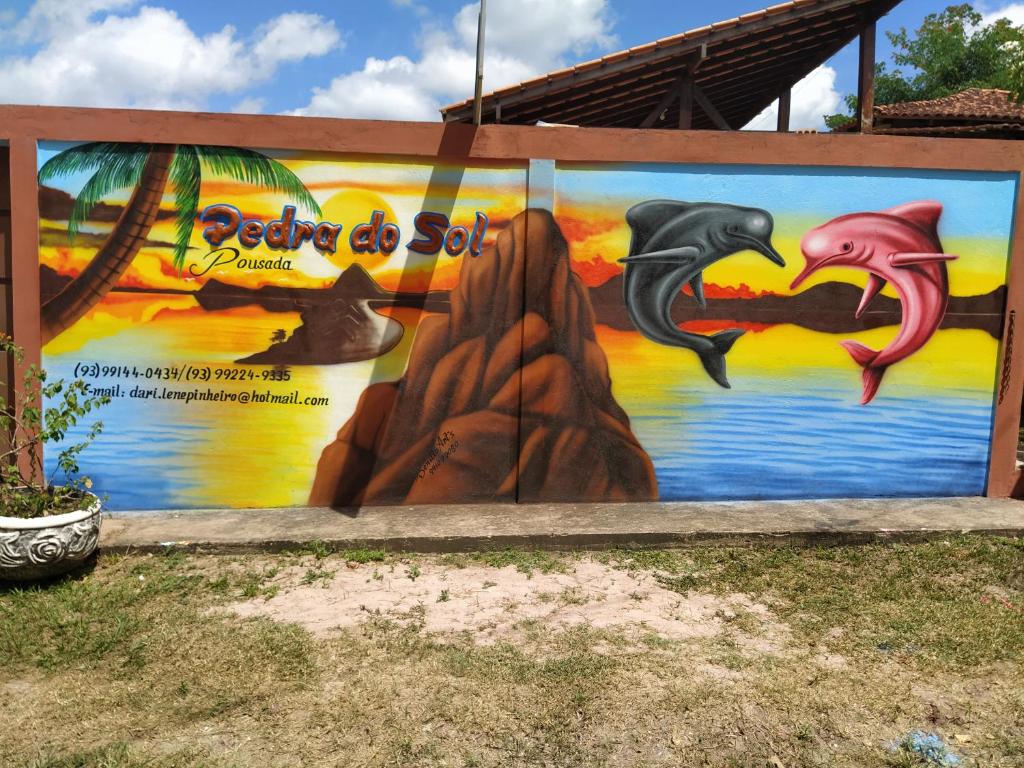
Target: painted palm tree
[(146, 169)]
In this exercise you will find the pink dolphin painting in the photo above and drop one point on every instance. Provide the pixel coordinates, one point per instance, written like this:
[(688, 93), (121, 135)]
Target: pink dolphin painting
[(899, 246)]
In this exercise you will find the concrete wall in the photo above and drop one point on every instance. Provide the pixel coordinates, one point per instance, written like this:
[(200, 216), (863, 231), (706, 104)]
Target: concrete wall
[(335, 312)]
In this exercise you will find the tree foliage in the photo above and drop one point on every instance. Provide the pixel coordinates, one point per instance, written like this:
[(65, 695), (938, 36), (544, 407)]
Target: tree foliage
[(229, 162), (119, 166), (950, 52)]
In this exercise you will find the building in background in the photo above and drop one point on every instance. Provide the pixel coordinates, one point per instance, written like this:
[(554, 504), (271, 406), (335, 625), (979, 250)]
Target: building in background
[(977, 113)]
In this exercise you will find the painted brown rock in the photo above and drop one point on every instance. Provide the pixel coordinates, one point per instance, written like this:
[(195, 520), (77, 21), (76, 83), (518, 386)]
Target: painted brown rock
[(507, 398)]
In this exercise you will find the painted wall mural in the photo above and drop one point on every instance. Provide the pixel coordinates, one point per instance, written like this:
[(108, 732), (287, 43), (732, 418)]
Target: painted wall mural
[(673, 243), (277, 328), (898, 246)]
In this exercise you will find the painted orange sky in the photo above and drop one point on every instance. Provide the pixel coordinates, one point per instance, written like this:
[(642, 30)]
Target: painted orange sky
[(598, 236), (349, 191)]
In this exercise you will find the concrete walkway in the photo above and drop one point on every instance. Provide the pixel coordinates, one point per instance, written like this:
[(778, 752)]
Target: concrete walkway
[(563, 526)]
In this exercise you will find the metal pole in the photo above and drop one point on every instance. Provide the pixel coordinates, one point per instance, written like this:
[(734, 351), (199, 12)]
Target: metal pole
[(478, 106)]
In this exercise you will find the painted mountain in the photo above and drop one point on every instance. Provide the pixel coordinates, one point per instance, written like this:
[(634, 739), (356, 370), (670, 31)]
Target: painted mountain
[(495, 403), (827, 307)]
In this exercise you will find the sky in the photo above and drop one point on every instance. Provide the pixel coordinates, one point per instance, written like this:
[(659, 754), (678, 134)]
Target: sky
[(396, 59)]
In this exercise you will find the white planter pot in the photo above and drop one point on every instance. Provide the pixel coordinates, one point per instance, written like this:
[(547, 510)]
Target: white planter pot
[(41, 547)]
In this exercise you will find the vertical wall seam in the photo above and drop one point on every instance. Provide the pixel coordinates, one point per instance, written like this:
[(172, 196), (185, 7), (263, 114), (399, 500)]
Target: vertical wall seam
[(540, 193), (522, 342)]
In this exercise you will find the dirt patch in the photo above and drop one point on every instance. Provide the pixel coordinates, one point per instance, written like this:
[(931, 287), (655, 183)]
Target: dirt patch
[(858, 649), (18, 687), (494, 604)]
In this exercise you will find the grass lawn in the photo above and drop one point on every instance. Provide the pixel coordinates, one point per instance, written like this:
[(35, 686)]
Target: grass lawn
[(727, 657)]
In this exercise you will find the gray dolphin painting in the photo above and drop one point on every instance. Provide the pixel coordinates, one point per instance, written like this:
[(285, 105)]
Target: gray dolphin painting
[(673, 243)]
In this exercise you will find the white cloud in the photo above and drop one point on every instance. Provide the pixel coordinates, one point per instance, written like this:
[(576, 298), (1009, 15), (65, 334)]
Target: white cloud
[(813, 97), (149, 59), (251, 105), (420, 9), (50, 18), (293, 37), (523, 39), (382, 88), (1014, 12), (539, 32)]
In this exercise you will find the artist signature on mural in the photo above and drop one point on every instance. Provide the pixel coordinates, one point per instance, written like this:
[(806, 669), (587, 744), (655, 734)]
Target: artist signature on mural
[(444, 446)]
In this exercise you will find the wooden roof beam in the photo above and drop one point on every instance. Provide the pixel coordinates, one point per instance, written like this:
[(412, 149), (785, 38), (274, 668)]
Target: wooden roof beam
[(731, 104), (709, 109), (645, 83), (595, 70), (626, 112), (798, 74), (795, 48), (682, 89), (671, 95)]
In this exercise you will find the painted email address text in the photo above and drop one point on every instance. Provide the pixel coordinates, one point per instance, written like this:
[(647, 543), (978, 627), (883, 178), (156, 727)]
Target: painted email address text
[(196, 394)]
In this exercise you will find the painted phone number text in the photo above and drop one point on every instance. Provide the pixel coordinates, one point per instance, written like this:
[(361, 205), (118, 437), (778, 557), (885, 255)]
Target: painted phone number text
[(180, 373)]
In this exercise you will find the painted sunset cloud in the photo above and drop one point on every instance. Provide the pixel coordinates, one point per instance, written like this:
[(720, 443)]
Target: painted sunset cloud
[(590, 205), (347, 192)]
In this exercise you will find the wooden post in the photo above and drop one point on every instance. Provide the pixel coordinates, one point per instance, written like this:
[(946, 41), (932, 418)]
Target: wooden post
[(686, 101), (785, 100), (866, 79)]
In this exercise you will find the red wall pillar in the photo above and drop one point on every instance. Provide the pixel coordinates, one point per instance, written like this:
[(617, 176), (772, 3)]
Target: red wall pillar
[(24, 258)]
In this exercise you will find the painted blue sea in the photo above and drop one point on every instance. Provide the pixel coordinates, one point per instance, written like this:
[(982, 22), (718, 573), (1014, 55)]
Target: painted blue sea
[(791, 426), (761, 445)]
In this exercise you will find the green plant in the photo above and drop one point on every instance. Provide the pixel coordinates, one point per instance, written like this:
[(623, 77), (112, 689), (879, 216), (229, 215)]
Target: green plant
[(25, 489), (363, 556), (318, 549), (313, 575)]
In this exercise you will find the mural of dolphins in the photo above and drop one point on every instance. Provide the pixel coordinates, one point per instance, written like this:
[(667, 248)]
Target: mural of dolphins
[(899, 246), (673, 243)]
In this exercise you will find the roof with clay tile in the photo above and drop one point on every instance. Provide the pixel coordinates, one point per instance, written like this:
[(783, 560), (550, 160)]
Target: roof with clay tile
[(748, 61), (973, 104)]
